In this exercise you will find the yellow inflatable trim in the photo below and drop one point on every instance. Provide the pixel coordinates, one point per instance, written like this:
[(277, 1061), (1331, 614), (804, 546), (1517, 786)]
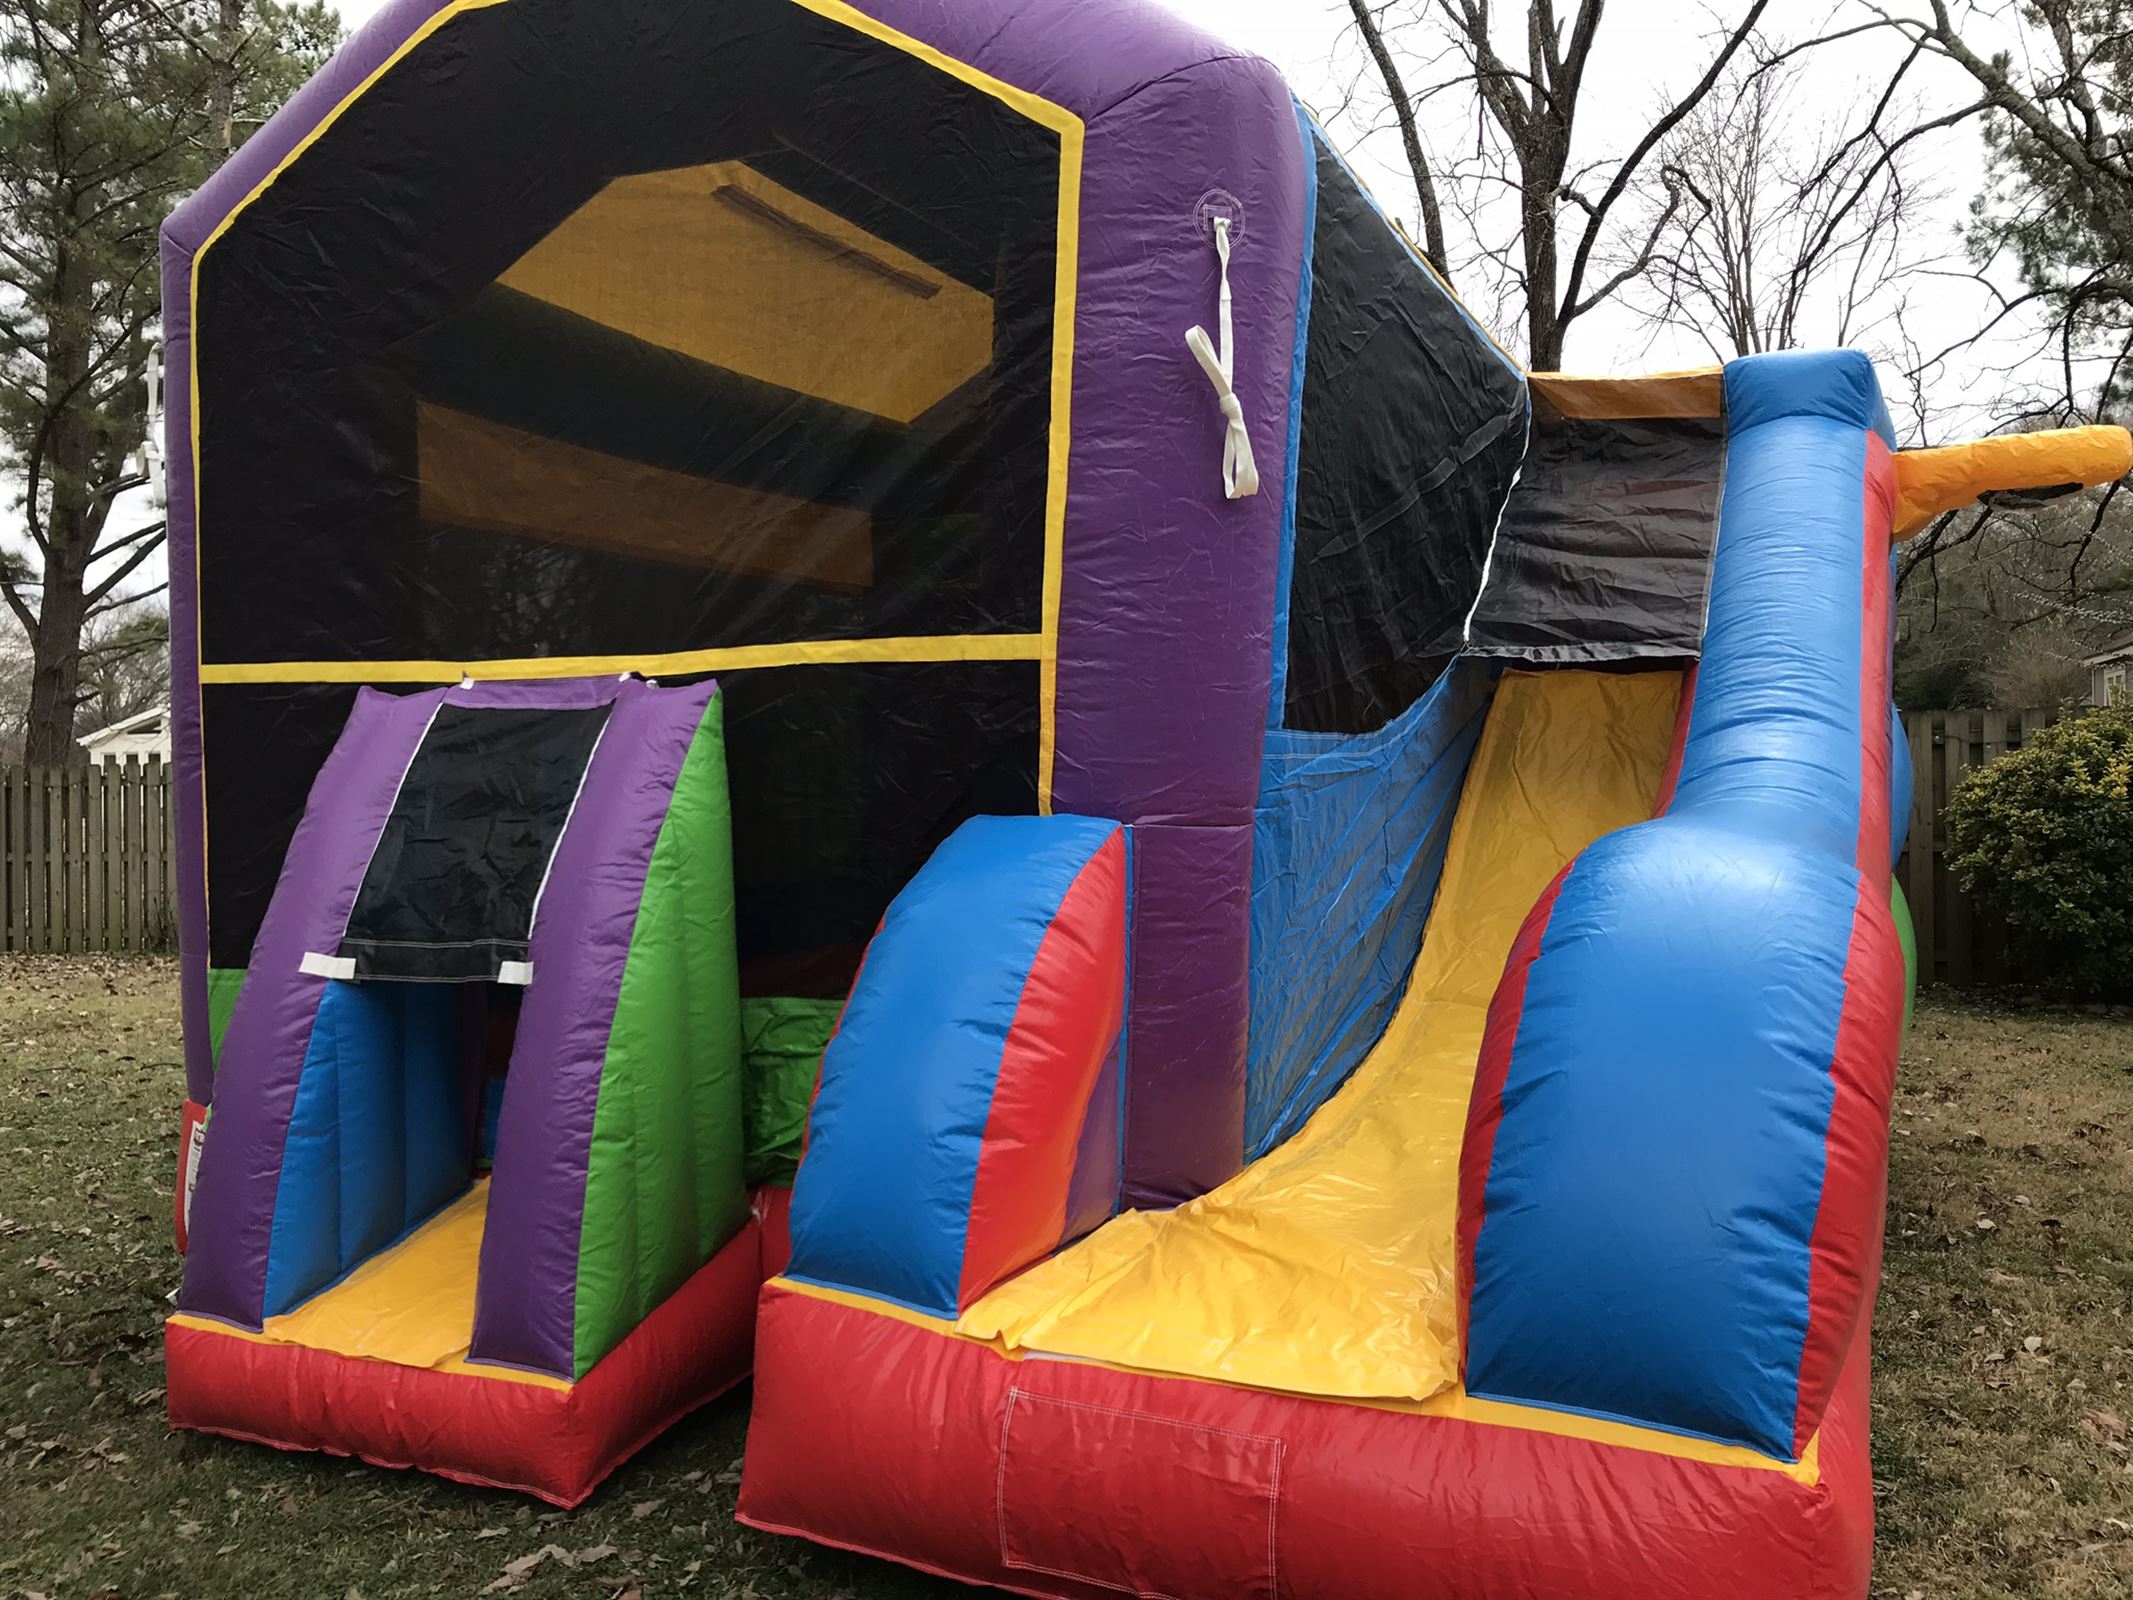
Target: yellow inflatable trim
[(1693, 392), (1931, 482)]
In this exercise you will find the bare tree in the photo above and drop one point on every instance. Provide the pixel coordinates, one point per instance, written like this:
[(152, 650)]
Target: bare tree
[(1369, 23), (2054, 82), (1523, 78), (2005, 607), (1798, 228)]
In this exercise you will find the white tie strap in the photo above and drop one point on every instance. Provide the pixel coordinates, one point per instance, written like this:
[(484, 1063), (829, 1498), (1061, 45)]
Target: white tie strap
[(1240, 473)]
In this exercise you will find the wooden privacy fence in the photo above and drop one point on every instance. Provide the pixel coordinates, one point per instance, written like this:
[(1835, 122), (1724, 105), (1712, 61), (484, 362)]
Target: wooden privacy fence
[(86, 853), (1958, 941)]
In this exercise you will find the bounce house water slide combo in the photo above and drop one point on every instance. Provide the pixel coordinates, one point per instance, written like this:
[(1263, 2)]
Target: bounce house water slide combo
[(1240, 962)]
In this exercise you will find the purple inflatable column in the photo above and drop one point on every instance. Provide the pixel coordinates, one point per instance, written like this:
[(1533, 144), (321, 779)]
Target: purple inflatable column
[(1167, 606)]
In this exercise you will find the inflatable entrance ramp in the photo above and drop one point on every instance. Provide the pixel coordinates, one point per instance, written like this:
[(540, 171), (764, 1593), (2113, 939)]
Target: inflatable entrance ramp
[(1319, 903), (472, 1197)]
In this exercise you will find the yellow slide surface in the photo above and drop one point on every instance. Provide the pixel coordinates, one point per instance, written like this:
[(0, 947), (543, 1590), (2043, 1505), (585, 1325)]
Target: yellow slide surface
[(1327, 1268), (412, 1304)]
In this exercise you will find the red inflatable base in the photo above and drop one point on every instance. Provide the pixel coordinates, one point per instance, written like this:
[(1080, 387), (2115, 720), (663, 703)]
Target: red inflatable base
[(1079, 1482), (544, 1439)]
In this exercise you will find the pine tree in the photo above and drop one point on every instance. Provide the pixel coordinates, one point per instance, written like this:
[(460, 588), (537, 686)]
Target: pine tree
[(110, 112)]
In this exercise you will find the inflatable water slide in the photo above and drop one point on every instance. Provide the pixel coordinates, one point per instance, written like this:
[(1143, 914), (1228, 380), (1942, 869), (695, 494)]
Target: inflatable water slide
[(886, 689)]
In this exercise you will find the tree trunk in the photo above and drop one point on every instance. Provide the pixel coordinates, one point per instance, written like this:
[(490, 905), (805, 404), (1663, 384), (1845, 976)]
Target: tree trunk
[(229, 44), (1541, 160), (66, 468), (55, 676)]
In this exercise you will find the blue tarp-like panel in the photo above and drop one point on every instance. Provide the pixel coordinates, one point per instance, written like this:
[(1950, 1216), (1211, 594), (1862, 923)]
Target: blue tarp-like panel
[(1347, 849)]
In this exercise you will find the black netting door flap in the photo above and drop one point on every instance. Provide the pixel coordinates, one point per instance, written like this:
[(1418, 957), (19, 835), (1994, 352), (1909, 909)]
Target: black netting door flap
[(450, 893)]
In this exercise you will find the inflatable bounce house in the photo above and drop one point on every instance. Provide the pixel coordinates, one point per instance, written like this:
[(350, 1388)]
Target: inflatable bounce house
[(1320, 904)]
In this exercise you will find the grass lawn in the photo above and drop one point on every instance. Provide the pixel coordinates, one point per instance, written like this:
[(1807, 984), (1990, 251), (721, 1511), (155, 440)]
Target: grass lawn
[(2003, 1418)]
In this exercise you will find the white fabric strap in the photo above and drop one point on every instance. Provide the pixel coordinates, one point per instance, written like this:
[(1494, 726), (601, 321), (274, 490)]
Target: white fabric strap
[(320, 966), (517, 973), (1240, 473)]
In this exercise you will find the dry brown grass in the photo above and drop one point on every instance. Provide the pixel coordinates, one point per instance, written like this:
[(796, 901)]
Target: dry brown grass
[(2003, 1418)]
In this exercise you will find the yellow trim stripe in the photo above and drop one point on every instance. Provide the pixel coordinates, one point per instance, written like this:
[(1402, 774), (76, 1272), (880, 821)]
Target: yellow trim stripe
[(1035, 107), (1455, 1403), (731, 658), (1056, 494)]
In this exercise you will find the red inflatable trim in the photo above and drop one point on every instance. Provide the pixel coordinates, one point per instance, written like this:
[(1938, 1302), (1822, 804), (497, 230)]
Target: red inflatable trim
[(1065, 1028), (1492, 1070), (1845, 1247), (557, 1443), (1074, 1481)]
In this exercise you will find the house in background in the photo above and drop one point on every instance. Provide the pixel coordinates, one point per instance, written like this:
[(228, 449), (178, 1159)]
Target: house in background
[(2111, 672), (140, 736)]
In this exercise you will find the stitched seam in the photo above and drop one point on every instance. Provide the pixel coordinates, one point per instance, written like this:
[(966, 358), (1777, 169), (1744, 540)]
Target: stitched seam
[(1273, 1515), (1083, 1577), (999, 1493), (432, 944)]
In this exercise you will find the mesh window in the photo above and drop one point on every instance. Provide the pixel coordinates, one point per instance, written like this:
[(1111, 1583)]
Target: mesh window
[(630, 329), (843, 781), (450, 891), (1411, 431), (265, 744), (1605, 549)]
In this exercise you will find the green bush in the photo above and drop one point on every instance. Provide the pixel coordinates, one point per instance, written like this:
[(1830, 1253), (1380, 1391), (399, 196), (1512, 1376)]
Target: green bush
[(2045, 837)]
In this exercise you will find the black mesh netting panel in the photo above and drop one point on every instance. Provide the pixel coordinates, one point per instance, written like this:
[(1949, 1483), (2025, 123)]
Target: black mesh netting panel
[(1605, 549), (1412, 428), (450, 891), (843, 781), (632, 328), (625, 329)]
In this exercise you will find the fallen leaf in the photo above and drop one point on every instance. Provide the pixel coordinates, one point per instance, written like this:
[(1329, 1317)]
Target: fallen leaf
[(518, 1571)]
